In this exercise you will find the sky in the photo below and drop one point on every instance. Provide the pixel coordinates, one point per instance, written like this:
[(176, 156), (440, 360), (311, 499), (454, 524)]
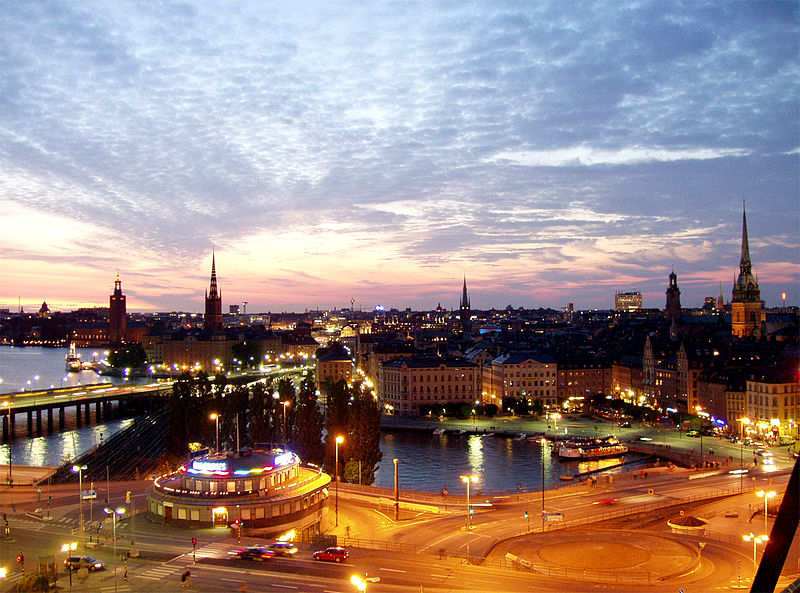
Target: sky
[(548, 152)]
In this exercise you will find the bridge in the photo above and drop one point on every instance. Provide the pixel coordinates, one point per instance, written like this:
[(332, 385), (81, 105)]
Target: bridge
[(45, 403)]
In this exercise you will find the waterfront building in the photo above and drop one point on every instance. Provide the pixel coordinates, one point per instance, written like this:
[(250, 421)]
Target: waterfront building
[(626, 378), (117, 319), (628, 301), (747, 308), (659, 374), (406, 384), (265, 491), (580, 377), (528, 374)]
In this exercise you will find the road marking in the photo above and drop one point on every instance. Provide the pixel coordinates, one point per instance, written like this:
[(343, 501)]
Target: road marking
[(440, 576), (283, 586), (392, 570)]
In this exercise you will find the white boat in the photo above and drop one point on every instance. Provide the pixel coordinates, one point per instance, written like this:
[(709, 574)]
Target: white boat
[(72, 361), (438, 431)]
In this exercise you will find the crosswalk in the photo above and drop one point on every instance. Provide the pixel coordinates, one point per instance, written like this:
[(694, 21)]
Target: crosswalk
[(217, 550), (161, 572)]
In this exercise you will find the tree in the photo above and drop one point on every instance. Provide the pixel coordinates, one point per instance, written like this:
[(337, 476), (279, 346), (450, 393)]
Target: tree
[(308, 424), (259, 416), (364, 431)]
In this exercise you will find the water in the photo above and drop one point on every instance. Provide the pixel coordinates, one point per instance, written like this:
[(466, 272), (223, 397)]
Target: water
[(32, 368), (427, 462)]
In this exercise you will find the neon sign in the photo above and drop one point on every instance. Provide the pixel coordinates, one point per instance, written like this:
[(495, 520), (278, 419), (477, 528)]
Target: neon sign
[(210, 466)]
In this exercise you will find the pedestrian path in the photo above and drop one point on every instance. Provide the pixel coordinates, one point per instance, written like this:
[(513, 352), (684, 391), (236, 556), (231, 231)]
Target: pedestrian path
[(217, 550), (161, 572), (119, 588)]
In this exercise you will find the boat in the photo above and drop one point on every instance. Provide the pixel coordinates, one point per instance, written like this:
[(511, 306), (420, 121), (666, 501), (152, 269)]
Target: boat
[(608, 446), (72, 361), (438, 431), (520, 437), (487, 434)]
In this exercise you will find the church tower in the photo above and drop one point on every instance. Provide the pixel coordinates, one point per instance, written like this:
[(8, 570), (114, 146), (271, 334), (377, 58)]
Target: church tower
[(746, 304), (117, 315), (213, 317), (464, 309), (672, 309)]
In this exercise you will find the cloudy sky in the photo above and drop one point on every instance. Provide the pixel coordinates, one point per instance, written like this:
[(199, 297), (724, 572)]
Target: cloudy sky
[(549, 152)]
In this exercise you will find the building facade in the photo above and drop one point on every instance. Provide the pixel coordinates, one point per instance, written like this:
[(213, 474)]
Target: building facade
[(406, 384), (267, 492), (628, 301), (521, 374)]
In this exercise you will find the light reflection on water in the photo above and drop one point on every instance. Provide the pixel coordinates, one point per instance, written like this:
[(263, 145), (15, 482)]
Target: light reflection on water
[(59, 448), (429, 462)]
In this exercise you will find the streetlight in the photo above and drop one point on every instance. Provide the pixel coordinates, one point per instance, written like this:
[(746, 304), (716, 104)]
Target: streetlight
[(396, 492), (701, 414), (339, 440), (361, 584), (66, 549), (555, 418), (215, 418), (766, 496), (756, 539), (744, 421), (285, 404), (10, 441), (467, 480), (79, 470), (114, 513)]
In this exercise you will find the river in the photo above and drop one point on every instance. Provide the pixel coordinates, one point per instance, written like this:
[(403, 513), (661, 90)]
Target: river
[(427, 462)]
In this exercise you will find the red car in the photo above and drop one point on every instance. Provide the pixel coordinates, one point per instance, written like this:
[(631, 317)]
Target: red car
[(606, 501), (254, 553), (331, 554)]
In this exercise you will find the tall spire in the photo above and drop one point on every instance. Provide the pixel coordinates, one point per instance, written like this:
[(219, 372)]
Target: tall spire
[(213, 290), (464, 295), (745, 266)]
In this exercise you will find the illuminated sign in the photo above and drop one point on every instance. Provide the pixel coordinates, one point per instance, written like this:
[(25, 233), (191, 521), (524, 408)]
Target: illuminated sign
[(285, 458), (210, 466)]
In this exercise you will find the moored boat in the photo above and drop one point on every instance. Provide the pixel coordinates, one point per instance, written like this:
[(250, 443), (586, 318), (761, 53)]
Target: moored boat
[(581, 448), (72, 361)]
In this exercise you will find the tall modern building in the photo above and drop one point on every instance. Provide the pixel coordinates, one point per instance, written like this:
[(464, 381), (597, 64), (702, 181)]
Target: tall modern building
[(628, 301), (672, 309), (117, 315), (464, 309), (746, 305), (213, 317)]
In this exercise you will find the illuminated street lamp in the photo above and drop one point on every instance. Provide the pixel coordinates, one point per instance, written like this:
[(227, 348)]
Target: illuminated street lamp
[(285, 405), (114, 513), (78, 469), (756, 539), (215, 418), (339, 440), (467, 480), (766, 496), (66, 549), (361, 584)]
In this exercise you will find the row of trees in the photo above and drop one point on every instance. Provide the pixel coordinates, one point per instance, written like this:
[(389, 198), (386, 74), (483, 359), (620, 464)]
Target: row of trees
[(278, 413)]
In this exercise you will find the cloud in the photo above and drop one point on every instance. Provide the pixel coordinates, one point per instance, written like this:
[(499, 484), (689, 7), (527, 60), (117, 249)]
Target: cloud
[(584, 156)]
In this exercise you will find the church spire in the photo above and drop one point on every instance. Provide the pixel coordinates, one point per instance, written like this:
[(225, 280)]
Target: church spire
[(213, 316), (213, 290), (464, 309), (745, 266)]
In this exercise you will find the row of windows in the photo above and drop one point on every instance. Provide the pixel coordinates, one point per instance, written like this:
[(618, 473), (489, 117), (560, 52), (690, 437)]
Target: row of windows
[(423, 389), (762, 400), (449, 378), (761, 388)]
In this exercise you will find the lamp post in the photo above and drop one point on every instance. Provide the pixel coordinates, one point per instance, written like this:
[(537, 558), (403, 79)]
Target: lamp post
[(756, 539), (215, 418), (555, 417), (79, 470), (339, 440), (114, 513), (766, 496), (396, 492), (467, 480), (67, 548), (285, 405), (542, 443), (743, 421)]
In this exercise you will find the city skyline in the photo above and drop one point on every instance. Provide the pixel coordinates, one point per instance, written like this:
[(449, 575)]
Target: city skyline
[(549, 153)]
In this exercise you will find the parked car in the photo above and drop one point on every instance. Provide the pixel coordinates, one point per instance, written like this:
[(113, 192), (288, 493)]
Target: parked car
[(255, 553), (76, 562), (337, 554), (283, 548)]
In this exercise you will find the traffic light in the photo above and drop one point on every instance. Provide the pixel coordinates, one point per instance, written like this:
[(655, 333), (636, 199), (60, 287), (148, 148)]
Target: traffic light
[(194, 542), (20, 558), (128, 497), (526, 514)]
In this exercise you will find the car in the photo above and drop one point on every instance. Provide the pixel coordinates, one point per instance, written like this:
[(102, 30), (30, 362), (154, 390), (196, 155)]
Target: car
[(764, 453), (88, 494), (335, 554), (255, 553), (625, 424), (605, 501), (283, 548), (692, 433), (76, 562)]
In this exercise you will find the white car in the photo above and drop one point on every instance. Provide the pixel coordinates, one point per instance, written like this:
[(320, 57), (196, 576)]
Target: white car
[(87, 494)]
